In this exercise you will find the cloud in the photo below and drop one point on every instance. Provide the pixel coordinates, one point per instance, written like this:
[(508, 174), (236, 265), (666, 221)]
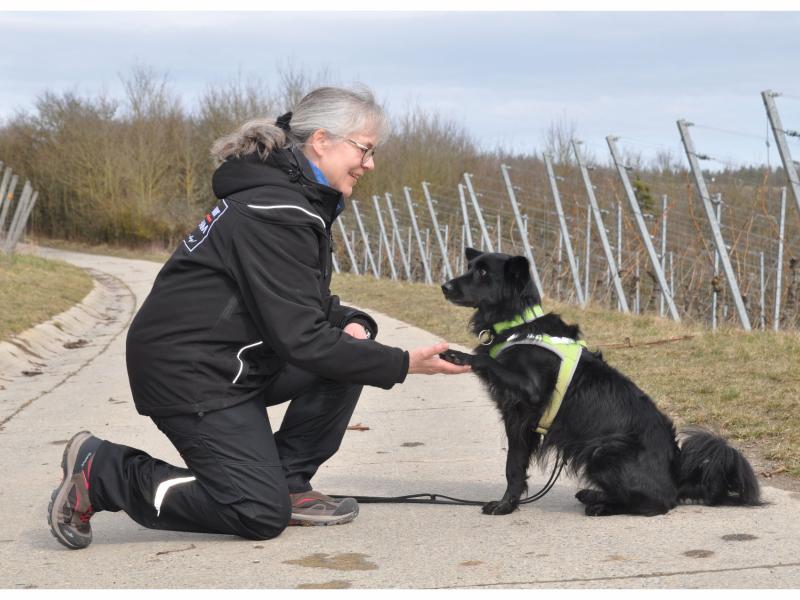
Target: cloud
[(504, 76)]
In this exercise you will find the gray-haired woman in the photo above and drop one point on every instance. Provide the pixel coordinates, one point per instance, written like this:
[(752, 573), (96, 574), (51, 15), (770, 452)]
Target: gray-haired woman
[(240, 317)]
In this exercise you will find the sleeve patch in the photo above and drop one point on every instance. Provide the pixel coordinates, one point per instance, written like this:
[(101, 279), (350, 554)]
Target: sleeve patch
[(200, 233)]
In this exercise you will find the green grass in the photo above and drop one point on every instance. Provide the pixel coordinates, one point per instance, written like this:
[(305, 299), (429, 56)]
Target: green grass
[(745, 386), (32, 290)]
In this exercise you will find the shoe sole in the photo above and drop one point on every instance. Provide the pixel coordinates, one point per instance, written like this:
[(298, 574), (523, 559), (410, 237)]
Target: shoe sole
[(56, 498), (312, 521)]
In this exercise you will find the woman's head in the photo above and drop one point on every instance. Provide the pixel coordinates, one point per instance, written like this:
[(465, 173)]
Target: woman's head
[(339, 111), (332, 126), (338, 130)]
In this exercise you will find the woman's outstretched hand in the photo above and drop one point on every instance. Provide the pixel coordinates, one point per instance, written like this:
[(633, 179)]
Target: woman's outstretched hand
[(426, 361)]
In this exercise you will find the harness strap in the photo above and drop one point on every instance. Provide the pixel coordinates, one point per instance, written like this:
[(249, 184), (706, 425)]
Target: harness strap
[(567, 350)]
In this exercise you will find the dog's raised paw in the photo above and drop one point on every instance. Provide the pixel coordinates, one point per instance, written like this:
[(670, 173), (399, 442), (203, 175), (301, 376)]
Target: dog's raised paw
[(455, 357), (498, 507)]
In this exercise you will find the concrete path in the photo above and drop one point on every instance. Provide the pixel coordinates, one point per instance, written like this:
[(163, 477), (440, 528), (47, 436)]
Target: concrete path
[(433, 434)]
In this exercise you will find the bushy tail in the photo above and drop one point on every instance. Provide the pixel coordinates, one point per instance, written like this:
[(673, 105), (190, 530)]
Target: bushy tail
[(712, 472)]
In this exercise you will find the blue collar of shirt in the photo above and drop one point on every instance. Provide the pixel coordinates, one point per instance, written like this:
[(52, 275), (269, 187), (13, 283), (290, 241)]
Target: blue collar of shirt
[(319, 174)]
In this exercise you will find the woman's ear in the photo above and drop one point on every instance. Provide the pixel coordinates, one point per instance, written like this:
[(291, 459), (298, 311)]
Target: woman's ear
[(317, 143)]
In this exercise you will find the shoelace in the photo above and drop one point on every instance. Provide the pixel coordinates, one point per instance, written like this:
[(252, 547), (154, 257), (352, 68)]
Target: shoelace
[(85, 516), (315, 503)]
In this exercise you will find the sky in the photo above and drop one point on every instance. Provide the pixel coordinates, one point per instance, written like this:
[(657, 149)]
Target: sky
[(503, 76)]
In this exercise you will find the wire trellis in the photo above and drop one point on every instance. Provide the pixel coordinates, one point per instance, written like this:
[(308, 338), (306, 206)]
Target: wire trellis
[(749, 222)]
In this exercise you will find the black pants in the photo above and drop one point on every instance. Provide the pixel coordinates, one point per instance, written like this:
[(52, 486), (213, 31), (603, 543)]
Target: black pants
[(239, 474)]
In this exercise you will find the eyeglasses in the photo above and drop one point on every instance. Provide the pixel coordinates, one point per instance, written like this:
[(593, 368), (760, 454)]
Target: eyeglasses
[(368, 152)]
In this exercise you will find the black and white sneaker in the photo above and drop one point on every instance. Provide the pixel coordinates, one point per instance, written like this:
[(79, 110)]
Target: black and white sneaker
[(70, 507)]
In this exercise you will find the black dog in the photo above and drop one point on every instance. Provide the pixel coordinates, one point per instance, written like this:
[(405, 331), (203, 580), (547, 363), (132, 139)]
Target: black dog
[(607, 430)]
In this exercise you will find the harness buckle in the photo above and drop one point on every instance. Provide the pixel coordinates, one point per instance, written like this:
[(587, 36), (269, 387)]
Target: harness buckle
[(483, 339)]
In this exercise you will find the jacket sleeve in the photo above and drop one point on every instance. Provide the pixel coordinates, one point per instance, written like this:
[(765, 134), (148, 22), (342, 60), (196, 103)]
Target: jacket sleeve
[(340, 315), (276, 267)]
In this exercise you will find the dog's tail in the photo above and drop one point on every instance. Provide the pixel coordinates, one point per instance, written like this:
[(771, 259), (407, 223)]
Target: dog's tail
[(712, 472)]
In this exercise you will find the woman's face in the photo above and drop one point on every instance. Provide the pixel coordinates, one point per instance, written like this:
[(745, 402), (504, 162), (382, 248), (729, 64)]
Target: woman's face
[(340, 160)]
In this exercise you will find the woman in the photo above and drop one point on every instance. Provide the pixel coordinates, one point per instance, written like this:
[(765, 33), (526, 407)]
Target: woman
[(240, 317)]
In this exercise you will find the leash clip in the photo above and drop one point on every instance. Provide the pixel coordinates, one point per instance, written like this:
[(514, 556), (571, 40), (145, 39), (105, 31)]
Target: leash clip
[(483, 339)]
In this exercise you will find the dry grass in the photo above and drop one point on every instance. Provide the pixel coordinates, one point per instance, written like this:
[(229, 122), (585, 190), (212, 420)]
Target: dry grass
[(33, 289), (745, 386)]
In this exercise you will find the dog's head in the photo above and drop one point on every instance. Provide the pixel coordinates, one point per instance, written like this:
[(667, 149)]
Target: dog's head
[(493, 280)]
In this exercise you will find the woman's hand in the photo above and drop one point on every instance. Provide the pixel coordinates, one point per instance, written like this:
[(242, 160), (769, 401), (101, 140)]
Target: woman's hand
[(356, 330), (426, 361)]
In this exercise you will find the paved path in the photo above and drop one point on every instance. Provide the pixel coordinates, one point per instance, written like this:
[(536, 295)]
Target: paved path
[(433, 434)]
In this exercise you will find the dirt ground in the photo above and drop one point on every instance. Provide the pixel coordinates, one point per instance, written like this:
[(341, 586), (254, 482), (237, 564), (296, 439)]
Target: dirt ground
[(769, 472)]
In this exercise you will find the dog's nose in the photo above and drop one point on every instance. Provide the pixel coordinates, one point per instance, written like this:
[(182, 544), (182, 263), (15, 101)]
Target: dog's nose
[(447, 287)]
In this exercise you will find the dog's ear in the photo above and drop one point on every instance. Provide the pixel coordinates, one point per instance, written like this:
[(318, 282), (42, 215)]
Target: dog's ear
[(518, 271), (472, 253)]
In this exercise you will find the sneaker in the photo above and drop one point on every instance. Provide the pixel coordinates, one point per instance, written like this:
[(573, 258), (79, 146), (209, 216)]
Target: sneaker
[(70, 508), (314, 508)]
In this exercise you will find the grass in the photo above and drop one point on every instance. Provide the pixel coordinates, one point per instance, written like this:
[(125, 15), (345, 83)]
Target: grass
[(745, 386), (33, 289)]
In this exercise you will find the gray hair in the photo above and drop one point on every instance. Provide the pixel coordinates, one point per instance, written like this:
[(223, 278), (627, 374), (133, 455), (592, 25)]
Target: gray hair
[(339, 111)]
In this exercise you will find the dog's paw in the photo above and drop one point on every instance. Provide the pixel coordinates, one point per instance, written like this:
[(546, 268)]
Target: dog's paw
[(499, 507), (455, 357), (587, 496), (598, 509)]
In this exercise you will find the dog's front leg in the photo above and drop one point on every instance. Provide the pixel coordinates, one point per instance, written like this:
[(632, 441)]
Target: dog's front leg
[(520, 446), (493, 371)]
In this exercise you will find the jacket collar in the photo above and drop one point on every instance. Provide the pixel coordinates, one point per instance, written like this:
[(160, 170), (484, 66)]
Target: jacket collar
[(328, 201), (284, 167)]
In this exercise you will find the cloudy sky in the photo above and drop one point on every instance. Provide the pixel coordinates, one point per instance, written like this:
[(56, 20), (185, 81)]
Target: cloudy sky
[(504, 76)]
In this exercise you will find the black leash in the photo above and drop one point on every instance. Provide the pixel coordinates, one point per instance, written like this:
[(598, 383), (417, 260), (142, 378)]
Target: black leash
[(434, 498)]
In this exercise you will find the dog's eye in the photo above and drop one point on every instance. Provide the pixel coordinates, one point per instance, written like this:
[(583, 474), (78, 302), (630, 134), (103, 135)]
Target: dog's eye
[(483, 272)]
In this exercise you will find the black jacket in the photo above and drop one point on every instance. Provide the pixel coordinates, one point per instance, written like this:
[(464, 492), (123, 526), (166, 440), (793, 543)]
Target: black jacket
[(248, 292)]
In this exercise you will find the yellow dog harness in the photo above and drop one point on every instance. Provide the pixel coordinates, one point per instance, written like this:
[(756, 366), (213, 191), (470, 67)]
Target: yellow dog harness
[(567, 349)]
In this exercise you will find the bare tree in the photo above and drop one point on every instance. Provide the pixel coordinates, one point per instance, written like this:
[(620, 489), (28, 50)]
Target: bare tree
[(296, 81), (557, 139)]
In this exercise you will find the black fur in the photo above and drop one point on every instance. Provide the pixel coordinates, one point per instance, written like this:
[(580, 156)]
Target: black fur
[(607, 431)]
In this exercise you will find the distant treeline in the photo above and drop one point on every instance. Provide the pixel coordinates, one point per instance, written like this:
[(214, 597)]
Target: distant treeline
[(137, 170)]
